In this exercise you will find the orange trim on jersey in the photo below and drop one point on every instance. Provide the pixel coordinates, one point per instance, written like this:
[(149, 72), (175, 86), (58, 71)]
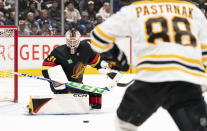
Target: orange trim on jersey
[(156, 56), (100, 46), (95, 61), (37, 110), (161, 1), (104, 35), (159, 69)]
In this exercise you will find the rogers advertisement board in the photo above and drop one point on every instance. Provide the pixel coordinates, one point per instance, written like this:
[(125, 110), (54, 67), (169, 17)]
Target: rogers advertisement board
[(33, 50)]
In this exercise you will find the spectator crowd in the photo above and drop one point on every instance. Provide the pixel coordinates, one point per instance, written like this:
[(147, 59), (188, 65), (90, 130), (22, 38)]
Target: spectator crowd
[(85, 14), (44, 17), (7, 12)]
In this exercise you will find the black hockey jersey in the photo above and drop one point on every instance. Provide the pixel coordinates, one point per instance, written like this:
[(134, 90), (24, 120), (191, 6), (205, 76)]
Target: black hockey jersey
[(73, 64)]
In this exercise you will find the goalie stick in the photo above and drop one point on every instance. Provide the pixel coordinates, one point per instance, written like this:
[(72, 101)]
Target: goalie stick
[(76, 85)]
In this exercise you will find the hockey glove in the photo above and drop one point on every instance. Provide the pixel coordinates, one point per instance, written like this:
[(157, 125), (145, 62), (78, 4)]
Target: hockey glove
[(116, 58), (111, 75), (58, 88)]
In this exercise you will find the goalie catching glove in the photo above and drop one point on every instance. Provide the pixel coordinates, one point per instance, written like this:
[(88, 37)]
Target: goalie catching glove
[(116, 59)]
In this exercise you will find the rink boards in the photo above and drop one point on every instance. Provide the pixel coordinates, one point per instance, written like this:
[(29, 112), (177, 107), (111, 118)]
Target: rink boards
[(33, 50)]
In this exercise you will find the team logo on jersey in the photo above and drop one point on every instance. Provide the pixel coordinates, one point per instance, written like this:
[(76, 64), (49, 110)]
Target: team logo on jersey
[(70, 61), (78, 70)]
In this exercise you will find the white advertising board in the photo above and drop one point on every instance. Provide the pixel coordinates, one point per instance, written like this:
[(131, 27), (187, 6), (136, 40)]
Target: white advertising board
[(33, 50)]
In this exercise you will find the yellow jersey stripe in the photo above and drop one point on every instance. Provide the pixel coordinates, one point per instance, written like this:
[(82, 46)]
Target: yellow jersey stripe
[(204, 47), (161, 1), (105, 36), (46, 67), (155, 56), (159, 69), (204, 59), (103, 47)]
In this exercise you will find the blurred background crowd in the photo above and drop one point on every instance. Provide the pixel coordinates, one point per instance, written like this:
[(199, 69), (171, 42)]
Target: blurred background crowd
[(55, 17)]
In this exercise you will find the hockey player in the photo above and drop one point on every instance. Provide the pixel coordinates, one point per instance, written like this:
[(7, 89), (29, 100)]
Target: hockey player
[(170, 44), (74, 56)]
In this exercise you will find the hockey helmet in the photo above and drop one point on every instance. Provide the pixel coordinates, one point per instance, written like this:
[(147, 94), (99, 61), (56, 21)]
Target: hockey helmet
[(72, 39)]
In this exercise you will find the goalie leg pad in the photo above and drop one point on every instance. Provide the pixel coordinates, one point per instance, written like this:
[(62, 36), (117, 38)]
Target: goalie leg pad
[(59, 104)]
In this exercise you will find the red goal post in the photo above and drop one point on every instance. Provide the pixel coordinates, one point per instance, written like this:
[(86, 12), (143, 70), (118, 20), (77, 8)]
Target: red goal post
[(9, 63)]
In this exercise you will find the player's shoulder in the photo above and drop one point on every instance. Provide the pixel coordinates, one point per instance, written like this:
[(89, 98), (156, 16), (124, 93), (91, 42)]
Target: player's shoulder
[(60, 48), (85, 43)]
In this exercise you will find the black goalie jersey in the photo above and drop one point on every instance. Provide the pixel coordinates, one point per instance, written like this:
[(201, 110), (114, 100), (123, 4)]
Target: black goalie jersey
[(73, 64)]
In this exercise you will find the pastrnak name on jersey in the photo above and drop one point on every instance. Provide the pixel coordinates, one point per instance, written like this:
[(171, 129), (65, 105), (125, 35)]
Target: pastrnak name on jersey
[(144, 10)]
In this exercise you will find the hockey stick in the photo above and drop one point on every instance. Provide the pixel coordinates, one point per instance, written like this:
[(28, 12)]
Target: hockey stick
[(125, 84), (119, 84), (70, 84), (117, 77)]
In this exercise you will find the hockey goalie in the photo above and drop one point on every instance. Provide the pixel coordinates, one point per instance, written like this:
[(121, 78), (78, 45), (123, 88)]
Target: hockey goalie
[(67, 63)]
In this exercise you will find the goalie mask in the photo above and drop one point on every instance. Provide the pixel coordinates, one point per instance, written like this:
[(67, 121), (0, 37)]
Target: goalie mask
[(72, 40)]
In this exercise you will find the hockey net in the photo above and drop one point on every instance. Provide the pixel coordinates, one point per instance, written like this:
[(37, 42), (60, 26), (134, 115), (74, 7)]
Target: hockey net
[(9, 63)]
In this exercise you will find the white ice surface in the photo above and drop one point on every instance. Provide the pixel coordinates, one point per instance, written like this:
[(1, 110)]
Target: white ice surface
[(13, 117)]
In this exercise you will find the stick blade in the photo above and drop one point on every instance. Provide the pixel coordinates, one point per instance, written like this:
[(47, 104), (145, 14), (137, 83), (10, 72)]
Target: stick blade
[(125, 84)]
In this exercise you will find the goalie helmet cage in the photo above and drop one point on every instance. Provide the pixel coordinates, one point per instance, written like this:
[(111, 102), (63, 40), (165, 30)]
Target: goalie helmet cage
[(9, 63)]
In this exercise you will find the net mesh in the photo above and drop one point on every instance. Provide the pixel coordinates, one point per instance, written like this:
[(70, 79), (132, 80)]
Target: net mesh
[(7, 60)]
